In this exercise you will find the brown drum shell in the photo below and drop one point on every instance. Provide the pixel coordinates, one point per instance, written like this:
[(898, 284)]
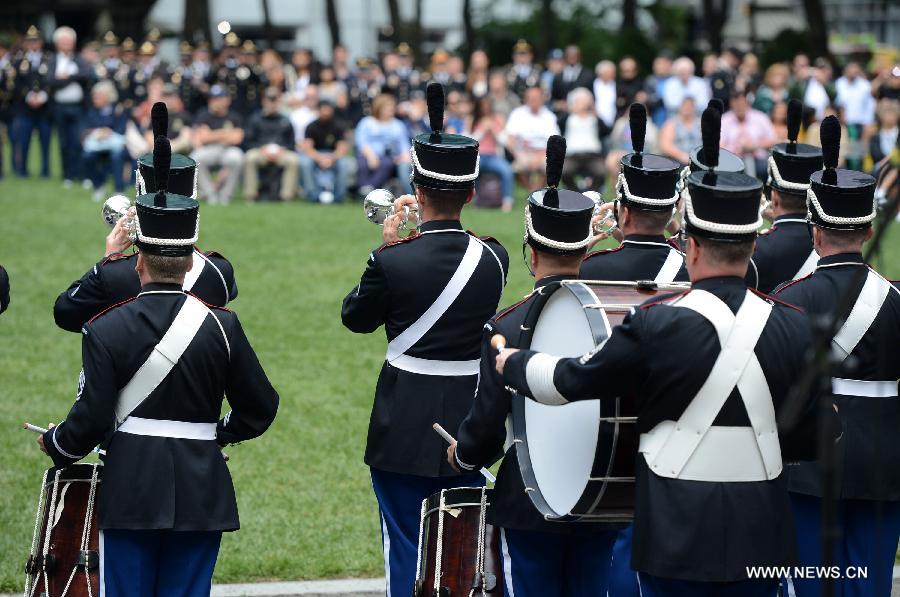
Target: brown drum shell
[(460, 545), (65, 536)]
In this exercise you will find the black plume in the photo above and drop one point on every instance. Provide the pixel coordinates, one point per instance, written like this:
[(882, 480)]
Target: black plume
[(435, 97), (716, 104), (162, 161), (794, 118), (830, 137), (637, 117), (556, 155), (710, 129), (159, 119)]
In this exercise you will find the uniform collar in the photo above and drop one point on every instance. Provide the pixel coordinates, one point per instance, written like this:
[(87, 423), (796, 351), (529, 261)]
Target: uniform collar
[(797, 218), (432, 225), (645, 241), (841, 259), (547, 280), (719, 282), (161, 287)]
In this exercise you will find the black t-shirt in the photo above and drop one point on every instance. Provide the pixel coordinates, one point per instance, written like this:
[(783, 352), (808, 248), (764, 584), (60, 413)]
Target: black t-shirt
[(177, 122), (232, 120), (325, 134)]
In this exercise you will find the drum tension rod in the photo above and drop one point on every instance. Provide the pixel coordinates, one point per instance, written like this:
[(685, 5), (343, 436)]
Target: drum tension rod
[(88, 559)]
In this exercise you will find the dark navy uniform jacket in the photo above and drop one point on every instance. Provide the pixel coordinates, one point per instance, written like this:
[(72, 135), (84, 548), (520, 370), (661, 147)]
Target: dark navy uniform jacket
[(154, 482), (401, 281), (639, 257), (868, 466), (780, 253), (695, 530), (4, 289), (482, 434), (114, 280)]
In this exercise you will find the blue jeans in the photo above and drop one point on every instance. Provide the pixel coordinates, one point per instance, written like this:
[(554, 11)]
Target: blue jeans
[(311, 178), (96, 169), (67, 119), (23, 127), (499, 166), (378, 176)]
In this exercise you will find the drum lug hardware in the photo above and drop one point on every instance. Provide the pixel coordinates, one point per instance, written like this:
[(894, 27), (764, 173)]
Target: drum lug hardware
[(33, 565), (88, 559), (47, 563), (486, 581)]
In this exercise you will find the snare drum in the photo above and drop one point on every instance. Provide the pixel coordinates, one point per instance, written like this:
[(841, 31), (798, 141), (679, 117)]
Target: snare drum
[(459, 553), (65, 549), (578, 460)]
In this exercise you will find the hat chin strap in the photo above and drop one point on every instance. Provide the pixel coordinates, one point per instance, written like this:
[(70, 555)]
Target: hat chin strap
[(623, 190), (530, 232), (812, 203), (775, 174), (717, 227), (441, 175)]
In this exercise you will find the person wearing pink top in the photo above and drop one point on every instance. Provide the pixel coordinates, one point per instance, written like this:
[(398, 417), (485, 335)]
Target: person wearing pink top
[(488, 127), (748, 133)]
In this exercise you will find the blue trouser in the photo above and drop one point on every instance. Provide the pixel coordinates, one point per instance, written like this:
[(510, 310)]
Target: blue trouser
[(499, 166), (654, 586), (400, 501), (97, 170), (368, 177), (555, 565), (158, 563), (23, 126), (309, 172), (623, 580), (67, 119), (869, 534)]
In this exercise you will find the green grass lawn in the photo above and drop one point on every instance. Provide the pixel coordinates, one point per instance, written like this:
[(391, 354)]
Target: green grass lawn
[(305, 498)]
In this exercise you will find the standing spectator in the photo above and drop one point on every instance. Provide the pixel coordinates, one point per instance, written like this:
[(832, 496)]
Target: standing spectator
[(323, 160), (304, 73), (584, 132), (269, 138), (779, 121), (218, 134), (683, 83), (527, 130), (605, 92), (69, 78), (747, 133), (887, 84), (104, 139), (630, 85), (477, 76), (330, 88), (884, 140), (553, 66), (31, 106), (620, 144), (814, 128), (854, 96), (801, 69), (487, 130), (722, 82), (504, 101), (523, 73), (382, 147), (748, 78), (681, 133), (340, 62), (662, 70), (774, 89), (816, 91), (573, 75)]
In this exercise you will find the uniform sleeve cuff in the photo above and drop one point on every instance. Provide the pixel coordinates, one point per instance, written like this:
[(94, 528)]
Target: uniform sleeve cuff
[(56, 452), (463, 465)]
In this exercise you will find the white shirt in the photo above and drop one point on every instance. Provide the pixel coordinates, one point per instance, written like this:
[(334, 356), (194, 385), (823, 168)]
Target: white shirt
[(856, 99), (581, 134), (300, 119), (675, 90), (816, 97), (605, 101), (532, 129), (71, 93)]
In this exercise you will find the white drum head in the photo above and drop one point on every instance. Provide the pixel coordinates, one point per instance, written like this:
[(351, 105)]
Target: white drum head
[(562, 440)]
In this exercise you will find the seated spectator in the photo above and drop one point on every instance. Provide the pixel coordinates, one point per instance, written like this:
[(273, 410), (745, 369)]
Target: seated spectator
[(269, 138), (662, 70), (487, 130), (774, 89), (779, 120), (301, 73), (306, 112), (884, 140), (323, 157), (573, 75), (584, 132), (103, 140), (180, 121), (330, 89), (620, 144), (382, 147), (681, 133), (504, 100), (683, 83), (748, 78), (527, 130), (218, 134), (747, 133), (630, 87), (454, 119), (416, 118), (814, 128), (477, 75)]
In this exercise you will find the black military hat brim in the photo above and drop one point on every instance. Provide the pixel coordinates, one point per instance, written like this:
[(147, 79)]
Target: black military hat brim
[(170, 229), (728, 162), (792, 165), (841, 199), (558, 221), (651, 181), (445, 162), (723, 206), (182, 175)]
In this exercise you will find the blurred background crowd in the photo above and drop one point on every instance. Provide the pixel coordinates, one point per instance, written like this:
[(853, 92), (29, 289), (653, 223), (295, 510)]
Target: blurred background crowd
[(283, 125)]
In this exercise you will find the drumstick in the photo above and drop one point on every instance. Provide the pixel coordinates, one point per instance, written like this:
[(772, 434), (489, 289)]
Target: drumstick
[(34, 428), (450, 440), (498, 342)]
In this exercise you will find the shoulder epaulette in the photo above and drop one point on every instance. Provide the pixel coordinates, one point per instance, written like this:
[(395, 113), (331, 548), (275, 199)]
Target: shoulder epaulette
[(769, 297), (512, 308), (664, 299), (792, 282), (114, 257), (110, 308), (409, 238), (210, 305), (603, 252)]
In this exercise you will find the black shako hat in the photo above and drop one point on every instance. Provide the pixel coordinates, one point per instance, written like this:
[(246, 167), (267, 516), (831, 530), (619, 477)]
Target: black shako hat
[(442, 161), (558, 221), (791, 164), (182, 171), (839, 199), (647, 181), (166, 223), (711, 126), (721, 206)]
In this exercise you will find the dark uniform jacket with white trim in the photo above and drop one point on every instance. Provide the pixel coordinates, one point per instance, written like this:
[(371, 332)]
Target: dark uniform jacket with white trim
[(401, 281), (4, 289), (780, 253), (639, 257), (868, 455), (483, 433), (685, 529), (152, 482), (114, 280)]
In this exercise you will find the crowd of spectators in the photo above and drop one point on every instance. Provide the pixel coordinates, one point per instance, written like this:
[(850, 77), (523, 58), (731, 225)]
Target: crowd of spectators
[(296, 125)]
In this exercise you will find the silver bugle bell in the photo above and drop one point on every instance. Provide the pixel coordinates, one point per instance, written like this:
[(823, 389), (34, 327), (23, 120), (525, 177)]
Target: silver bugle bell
[(379, 205), (117, 207)]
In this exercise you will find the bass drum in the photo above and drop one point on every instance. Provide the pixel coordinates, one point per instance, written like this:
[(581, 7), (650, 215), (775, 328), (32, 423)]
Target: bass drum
[(578, 460)]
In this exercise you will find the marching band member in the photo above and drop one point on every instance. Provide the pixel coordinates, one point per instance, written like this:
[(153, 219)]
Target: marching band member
[(785, 251), (711, 496), (432, 291), (540, 558), (841, 208), (114, 279), (4, 289), (151, 388), (646, 195)]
